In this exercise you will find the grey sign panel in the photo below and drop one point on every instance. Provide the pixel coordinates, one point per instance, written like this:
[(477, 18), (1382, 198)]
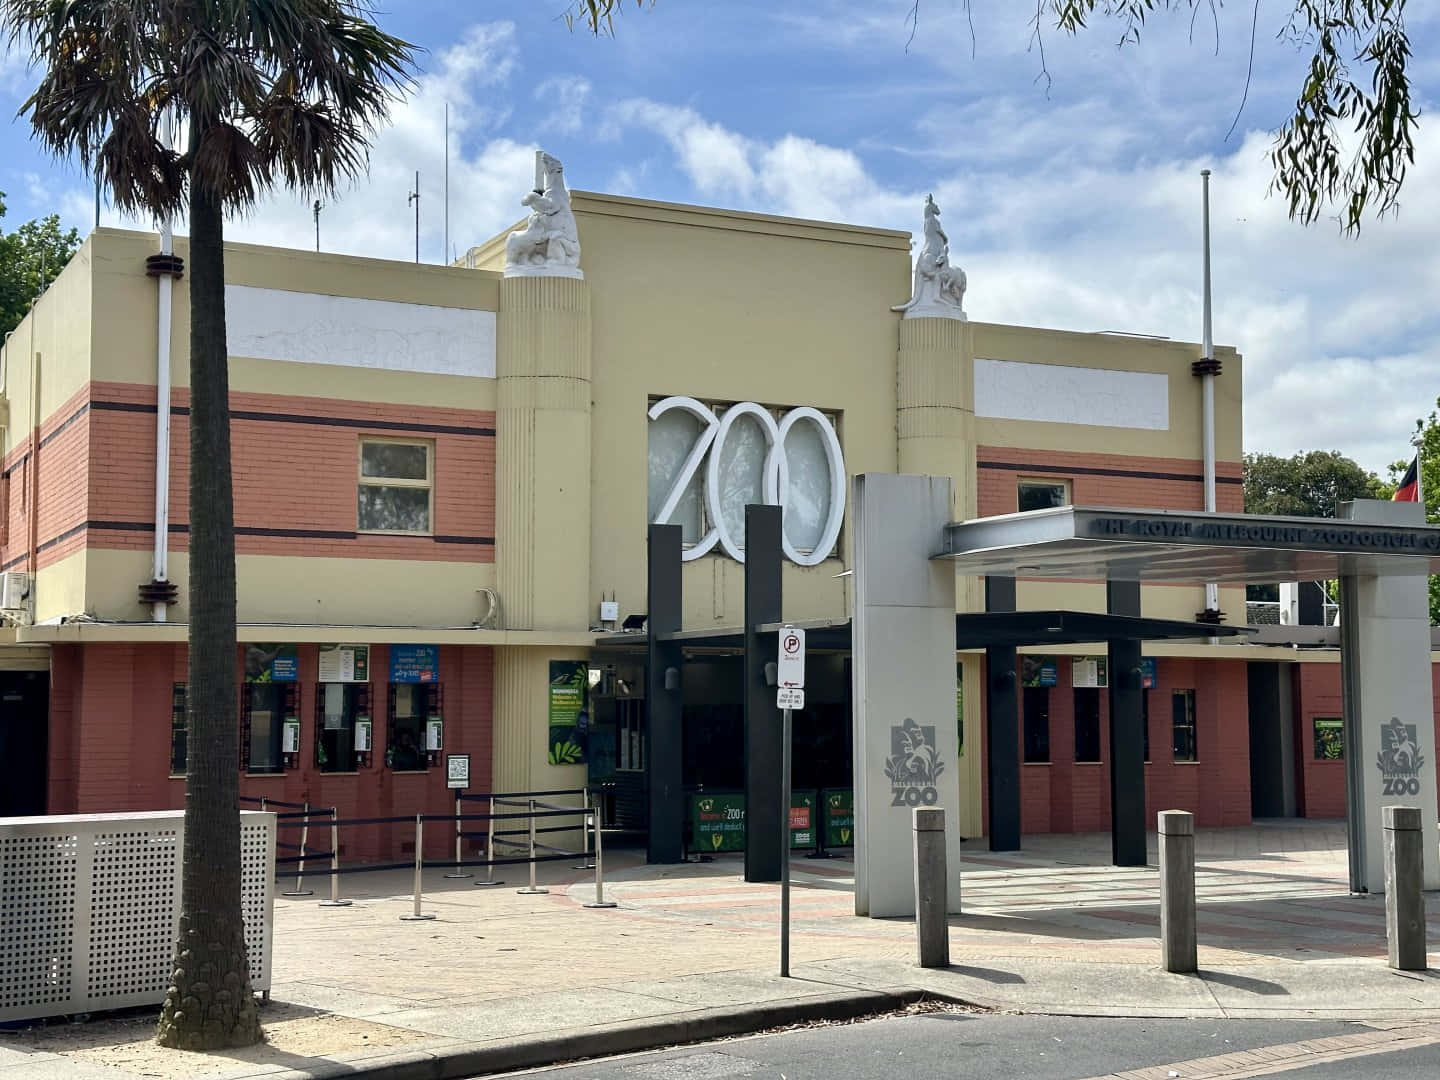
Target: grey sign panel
[(1165, 545)]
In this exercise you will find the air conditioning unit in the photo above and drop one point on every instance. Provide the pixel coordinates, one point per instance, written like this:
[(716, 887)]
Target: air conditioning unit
[(14, 591)]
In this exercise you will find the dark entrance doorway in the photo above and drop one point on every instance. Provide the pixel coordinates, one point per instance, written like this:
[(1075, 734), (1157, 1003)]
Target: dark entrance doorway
[(1272, 743), (24, 726)]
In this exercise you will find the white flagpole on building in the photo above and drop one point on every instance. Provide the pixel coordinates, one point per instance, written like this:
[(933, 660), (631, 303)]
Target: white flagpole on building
[(1212, 591)]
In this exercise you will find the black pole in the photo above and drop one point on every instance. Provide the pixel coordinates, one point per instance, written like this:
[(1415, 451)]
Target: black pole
[(1002, 726), (764, 840), (1127, 733), (664, 699)]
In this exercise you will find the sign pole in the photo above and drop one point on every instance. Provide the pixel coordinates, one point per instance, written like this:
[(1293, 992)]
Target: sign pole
[(785, 848)]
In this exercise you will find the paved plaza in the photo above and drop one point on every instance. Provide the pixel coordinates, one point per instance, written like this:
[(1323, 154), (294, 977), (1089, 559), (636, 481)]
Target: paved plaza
[(692, 951)]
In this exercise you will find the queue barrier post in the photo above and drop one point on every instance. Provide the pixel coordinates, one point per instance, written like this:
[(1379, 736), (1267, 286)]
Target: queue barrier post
[(300, 889), (458, 871), (587, 860), (532, 889), (335, 900), (490, 849), (597, 820), (415, 914)]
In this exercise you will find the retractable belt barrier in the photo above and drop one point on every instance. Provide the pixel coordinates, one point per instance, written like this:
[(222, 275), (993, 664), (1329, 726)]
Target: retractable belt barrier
[(534, 851)]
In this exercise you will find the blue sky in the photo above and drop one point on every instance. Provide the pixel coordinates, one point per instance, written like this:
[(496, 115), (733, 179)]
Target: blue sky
[(1073, 205)]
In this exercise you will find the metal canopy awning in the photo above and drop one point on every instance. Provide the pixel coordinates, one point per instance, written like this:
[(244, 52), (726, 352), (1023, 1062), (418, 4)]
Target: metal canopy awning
[(1178, 546), (975, 630)]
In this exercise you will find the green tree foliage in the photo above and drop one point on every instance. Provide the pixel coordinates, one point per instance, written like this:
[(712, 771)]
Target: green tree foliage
[(31, 258), (1427, 431), (1350, 137), (1306, 485), (266, 92)]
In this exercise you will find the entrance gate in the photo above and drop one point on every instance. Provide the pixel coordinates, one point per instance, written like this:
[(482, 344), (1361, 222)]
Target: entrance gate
[(1379, 551)]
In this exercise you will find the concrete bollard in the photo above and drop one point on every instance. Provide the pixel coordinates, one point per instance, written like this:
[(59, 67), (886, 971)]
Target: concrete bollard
[(1404, 874), (1177, 890), (932, 928)]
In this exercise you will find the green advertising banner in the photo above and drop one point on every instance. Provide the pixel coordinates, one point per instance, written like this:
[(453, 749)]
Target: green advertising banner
[(802, 818), (569, 689), (839, 809), (717, 822)]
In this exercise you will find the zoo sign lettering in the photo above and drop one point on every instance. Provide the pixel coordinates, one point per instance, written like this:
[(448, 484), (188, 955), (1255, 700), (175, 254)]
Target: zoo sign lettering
[(709, 449)]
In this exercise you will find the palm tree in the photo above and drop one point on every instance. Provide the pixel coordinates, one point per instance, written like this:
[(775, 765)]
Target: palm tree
[(271, 92)]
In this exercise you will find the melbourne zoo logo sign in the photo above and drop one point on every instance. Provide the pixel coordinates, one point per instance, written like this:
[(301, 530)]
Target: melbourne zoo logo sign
[(914, 765), (749, 454), (1399, 759)]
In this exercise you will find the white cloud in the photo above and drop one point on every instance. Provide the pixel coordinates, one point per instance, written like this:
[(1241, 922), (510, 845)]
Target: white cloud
[(565, 96), (716, 159)]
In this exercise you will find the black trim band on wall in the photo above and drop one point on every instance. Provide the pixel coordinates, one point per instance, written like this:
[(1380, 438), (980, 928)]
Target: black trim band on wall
[(1095, 470), (306, 418), (254, 530)]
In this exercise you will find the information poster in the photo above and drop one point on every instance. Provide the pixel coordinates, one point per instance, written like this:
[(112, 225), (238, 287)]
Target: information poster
[(1089, 672), (802, 819), (1147, 673), (1039, 671), (717, 822), (344, 663), (272, 663), (414, 663), (569, 691), (839, 818)]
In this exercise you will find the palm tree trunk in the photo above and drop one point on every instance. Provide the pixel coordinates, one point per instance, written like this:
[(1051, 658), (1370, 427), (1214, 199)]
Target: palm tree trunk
[(210, 1005)]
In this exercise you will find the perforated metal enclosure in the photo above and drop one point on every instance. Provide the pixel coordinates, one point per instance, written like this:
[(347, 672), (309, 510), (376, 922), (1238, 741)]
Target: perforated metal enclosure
[(89, 906)]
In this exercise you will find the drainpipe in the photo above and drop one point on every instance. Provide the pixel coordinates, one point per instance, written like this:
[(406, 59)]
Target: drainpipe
[(165, 266), (159, 608), (1208, 368)]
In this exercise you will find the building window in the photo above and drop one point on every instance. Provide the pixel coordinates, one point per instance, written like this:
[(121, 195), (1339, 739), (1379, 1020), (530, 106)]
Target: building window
[(1036, 703), (1087, 724), (1044, 494), (1182, 724), (397, 482), (342, 736), (1329, 738), (265, 707), (630, 735), (179, 732), (1145, 721), (411, 706)]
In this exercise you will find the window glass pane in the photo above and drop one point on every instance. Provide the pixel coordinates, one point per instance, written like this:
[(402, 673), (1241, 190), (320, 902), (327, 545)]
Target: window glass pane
[(400, 461), (742, 473), (1329, 738), (1182, 722), (178, 730), (671, 439), (808, 498), (336, 750), (1042, 496), (266, 705), (1037, 723), (395, 509), (1145, 720), (1087, 724)]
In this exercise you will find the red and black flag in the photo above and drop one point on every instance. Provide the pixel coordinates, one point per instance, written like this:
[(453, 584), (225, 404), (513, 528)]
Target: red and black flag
[(1409, 489)]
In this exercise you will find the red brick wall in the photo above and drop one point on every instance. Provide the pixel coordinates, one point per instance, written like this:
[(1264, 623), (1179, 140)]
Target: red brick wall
[(1103, 480), (1321, 788), (60, 467), (295, 464), (1069, 796), (115, 701), (1320, 792)]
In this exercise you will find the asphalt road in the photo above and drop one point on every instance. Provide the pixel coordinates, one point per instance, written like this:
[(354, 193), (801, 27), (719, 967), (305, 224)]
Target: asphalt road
[(953, 1044)]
